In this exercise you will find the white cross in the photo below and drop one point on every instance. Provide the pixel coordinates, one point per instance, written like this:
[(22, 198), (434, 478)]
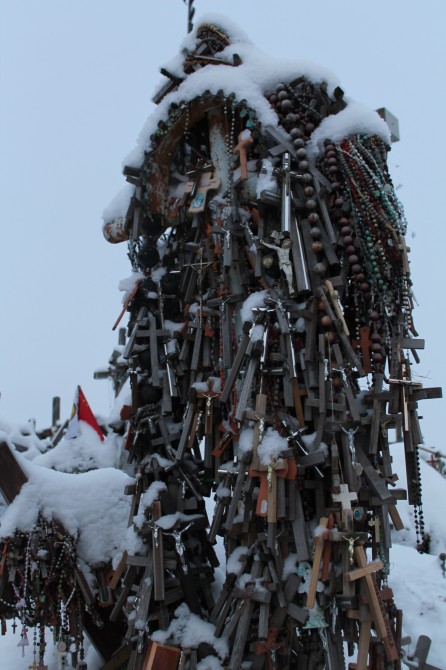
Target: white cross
[(345, 497)]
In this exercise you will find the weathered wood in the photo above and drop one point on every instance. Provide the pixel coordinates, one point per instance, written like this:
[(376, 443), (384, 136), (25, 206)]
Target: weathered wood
[(12, 477)]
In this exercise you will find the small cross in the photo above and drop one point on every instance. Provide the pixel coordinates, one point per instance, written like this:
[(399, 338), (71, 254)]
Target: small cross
[(345, 497), (376, 524), (244, 140), (351, 542)]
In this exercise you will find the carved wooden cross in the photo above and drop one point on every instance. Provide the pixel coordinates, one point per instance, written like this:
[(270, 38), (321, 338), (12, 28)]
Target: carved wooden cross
[(244, 140), (345, 497)]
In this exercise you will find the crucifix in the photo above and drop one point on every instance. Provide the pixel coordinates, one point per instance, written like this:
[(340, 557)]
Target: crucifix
[(283, 255), (209, 395), (351, 543), (199, 267), (351, 442)]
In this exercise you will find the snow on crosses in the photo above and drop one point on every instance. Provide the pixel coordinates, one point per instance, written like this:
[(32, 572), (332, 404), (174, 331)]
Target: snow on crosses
[(270, 303)]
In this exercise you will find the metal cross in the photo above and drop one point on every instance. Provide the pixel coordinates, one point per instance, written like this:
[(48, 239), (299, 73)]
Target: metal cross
[(179, 545), (351, 441), (351, 542)]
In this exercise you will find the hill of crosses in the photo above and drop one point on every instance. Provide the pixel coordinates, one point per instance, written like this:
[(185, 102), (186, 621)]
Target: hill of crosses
[(268, 350)]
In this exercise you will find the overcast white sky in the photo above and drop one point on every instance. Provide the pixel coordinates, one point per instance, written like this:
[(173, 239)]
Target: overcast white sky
[(76, 80)]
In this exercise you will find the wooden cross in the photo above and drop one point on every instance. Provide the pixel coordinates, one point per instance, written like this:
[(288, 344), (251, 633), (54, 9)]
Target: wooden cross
[(317, 560), (127, 302), (244, 140), (270, 646), (334, 295), (376, 525), (365, 571), (259, 416), (12, 476), (198, 188), (364, 343), (267, 499), (327, 550), (226, 439), (345, 497), (210, 395)]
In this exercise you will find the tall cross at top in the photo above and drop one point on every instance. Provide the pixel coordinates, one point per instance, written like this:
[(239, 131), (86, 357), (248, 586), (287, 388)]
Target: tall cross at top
[(190, 15)]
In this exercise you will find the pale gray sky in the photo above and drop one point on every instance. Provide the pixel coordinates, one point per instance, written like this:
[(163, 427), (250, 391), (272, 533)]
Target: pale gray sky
[(76, 79)]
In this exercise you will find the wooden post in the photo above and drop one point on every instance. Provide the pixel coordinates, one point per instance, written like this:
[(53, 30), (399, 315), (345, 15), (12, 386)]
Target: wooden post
[(12, 476)]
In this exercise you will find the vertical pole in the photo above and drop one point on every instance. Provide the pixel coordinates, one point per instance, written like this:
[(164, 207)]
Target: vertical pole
[(56, 412), (190, 15)]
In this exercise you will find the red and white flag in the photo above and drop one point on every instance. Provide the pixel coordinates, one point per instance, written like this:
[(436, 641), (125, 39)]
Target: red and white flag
[(81, 412)]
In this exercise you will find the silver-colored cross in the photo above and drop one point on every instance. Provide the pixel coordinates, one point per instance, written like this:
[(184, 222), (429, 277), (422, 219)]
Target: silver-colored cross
[(351, 441)]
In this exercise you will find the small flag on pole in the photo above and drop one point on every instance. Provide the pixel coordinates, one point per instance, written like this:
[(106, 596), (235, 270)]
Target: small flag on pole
[(81, 412)]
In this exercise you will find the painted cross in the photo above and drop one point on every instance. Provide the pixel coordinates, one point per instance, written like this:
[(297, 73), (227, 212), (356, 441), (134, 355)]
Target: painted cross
[(267, 499), (200, 185), (244, 140)]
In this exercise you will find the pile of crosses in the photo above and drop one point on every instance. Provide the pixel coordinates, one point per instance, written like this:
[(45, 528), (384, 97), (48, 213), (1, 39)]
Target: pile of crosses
[(268, 351)]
